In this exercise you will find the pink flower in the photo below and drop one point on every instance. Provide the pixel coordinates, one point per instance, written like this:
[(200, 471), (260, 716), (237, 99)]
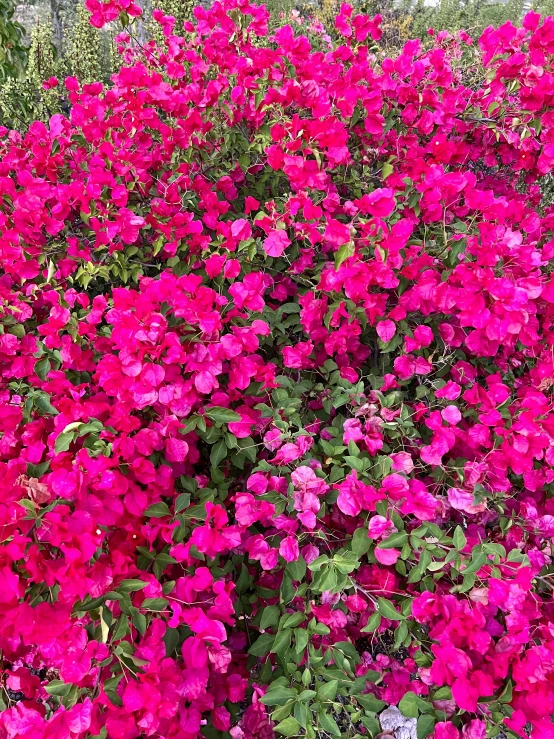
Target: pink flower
[(466, 692), (242, 429), (288, 549), (462, 500), (475, 729), (387, 556), (380, 527), (241, 229), (402, 462), (176, 450), (305, 480), (445, 729), (276, 243), (451, 415), (379, 203), (352, 430), (386, 330), (450, 391)]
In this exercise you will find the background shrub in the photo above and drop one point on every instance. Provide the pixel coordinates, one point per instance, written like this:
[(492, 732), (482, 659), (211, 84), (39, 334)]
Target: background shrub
[(276, 407)]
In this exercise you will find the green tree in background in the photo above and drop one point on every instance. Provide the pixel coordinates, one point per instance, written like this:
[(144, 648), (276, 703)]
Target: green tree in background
[(13, 54), (181, 10), (23, 99), (86, 53), (43, 65), (472, 16), (65, 42)]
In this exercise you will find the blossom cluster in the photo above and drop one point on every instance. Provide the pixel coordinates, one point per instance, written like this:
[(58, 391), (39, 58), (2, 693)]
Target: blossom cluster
[(276, 413)]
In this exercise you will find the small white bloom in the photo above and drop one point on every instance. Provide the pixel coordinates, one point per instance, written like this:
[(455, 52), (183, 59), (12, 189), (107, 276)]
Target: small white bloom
[(403, 728)]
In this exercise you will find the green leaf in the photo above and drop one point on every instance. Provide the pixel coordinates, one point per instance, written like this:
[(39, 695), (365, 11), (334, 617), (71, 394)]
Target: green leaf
[(360, 542), (166, 559), (282, 641), (346, 562), (477, 561), (297, 569), (425, 725), (328, 724), (400, 634), (317, 564), (424, 705), (301, 638), (29, 506), (114, 697), (355, 463), (38, 470), (515, 556), (282, 712), (131, 586), (320, 629), (345, 251), (262, 645), (158, 510), (171, 640), (218, 453), (328, 691), (63, 442), (278, 696), (58, 687), (356, 115), (146, 553), (158, 245), (370, 702), (91, 605), (326, 581), (270, 616), (348, 649), (42, 368), (459, 539), (154, 604), (373, 623), (397, 539), (122, 629), (182, 502), (191, 424), (43, 403), (139, 620), (287, 591), (387, 170), (302, 713), (72, 426), (114, 595), (457, 248), (387, 610), (436, 566), (371, 676), (506, 695), (222, 415), (408, 706), (371, 724), (288, 727), (293, 620)]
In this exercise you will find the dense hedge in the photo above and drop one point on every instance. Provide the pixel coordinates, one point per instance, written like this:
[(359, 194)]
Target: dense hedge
[(277, 430)]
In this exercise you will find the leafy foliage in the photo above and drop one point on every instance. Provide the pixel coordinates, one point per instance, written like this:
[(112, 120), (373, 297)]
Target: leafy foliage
[(181, 10), (36, 95), (86, 49), (276, 411), (12, 48)]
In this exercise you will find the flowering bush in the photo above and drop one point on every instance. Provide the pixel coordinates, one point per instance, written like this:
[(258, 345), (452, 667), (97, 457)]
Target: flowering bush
[(277, 450)]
